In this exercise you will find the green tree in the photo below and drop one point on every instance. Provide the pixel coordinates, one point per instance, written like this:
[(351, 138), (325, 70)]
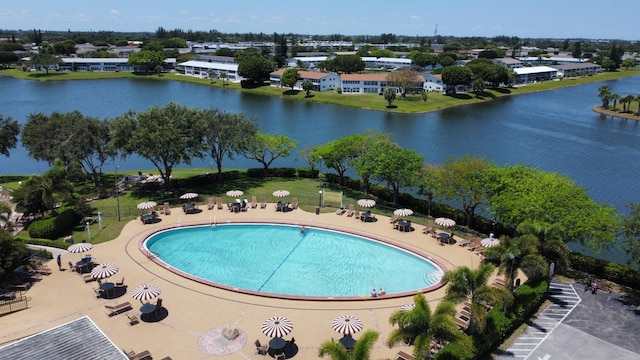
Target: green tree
[(519, 194), (11, 253), (9, 130), (550, 239), (453, 76), (338, 154), (464, 180), (630, 230), (361, 350), (345, 64), (609, 65), (361, 162), (7, 58), (428, 183), (146, 60), (66, 48), (390, 96), (466, 285), (71, 137), (383, 53), (266, 148), (256, 69), (394, 166), (518, 253), (307, 86), (226, 134), (44, 60), (604, 93), (420, 327), (577, 50), (628, 63), (5, 215), (166, 136), (404, 79), (615, 97), (423, 95), (478, 86), (290, 77)]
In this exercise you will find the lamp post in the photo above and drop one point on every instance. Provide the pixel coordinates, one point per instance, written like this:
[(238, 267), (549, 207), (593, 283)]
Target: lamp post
[(319, 182), (117, 195), (320, 198), (511, 258)]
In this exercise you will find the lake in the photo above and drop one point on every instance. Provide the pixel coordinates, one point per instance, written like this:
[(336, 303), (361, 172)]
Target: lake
[(554, 130)]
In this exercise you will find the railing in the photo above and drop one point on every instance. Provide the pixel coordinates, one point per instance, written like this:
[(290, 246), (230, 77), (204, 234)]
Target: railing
[(17, 304)]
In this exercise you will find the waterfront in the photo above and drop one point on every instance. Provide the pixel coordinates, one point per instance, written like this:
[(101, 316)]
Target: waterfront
[(554, 130)]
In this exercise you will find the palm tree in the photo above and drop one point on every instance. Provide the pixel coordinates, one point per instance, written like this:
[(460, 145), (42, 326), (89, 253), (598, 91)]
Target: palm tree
[(615, 97), (551, 240), (419, 327), (5, 215), (471, 286), (518, 253), (604, 93), (361, 351), (638, 100)]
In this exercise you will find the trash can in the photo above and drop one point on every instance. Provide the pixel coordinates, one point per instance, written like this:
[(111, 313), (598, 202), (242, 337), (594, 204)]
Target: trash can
[(317, 210)]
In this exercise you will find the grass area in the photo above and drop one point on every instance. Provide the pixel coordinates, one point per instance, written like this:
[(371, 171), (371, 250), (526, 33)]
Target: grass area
[(409, 104)]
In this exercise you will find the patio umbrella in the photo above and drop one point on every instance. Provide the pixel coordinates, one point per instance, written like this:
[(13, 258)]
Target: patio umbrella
[(489, 242), (403, 212), (446, 222), (277, 327), (145, 292), (407, 307), (103, 271), (346, 324), (188, 196), (235, 193), (147, 205), (80, 247), (367, 203), (281, 193)]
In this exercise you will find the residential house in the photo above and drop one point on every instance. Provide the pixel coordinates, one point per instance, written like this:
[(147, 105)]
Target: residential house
[(370, 83), (433, 82), (509, 62), (581, 69), (322, 81), (534, 74), (207, 69)]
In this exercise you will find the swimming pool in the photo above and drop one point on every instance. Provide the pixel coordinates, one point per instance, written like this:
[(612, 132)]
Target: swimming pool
[(280, 259)]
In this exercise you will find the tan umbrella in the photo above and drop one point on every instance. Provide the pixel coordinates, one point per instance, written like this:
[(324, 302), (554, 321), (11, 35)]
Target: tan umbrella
[(147, 205), (80, 247), (188, 196), (446, 222)]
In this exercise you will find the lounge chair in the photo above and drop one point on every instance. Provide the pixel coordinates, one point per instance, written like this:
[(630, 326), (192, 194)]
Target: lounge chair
[(294, 203), (263, 202), (112, 310), (430, 230), (210, 205), (357, 215), (144, 355), (341, 210), (88, 278), (167, 208), (351, 210), (261, 349), (98, 293), (280, 356), (219, 203), (393, 219), (133, 319), (254, 202), (43, 270), (401, 355)]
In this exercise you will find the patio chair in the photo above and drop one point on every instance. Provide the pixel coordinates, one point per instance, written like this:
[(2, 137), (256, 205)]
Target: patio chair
[(144, 355), (88, 278), (112, 310), (357, 215), (393, 219), (351, 210), (261, 349), (120, 283), (294, 203), (133, 319), (219, 203), (280, 356), (254, 202), (210, 204), (430, 230), (401, 355), (98, 293), (263, 202), (166, 208)]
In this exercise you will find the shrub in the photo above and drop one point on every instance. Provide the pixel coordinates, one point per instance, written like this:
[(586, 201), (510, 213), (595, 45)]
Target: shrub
[(53, 227), (617, 273)]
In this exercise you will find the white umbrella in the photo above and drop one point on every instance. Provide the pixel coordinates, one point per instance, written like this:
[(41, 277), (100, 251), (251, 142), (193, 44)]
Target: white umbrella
[(188, 196), (368, 203), (277, 327), (235, 193), (147, 205), (80, 247), (446, 222), (103, 271), (145, 292), (403, 212), (489, 242), (281, 193), (407, 307), (346, 324)]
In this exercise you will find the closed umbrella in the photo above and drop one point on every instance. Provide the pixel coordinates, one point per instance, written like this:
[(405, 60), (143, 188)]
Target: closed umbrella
[(188, 196), (367, 203), (147, 205), (103, 271), (235, 193), (489, 242), (403, 212), (346, 324), (446, 222), (277, 327), (281, 193), (80, 247), (145, 292)]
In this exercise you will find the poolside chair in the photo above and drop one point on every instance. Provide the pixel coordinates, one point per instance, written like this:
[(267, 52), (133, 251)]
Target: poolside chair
[(351, 210), (144, 355), (88, 278), (254, 202), (356, 215), (280, 356), (210, 204), (166, 208), (261, 349), (401, 355), (133, 319), (393, 219), (219, 203), (263, 202), (294, 203), (429, 230), (120, 283), (112, 310), (98, 293)]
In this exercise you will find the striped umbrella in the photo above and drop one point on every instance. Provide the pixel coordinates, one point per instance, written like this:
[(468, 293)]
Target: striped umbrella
[(145, 292), (446, 222), (403, 212), (490, 242), (80, 247), (235, 193), (188, 196), (103, 271), (346, 324), (147, 205), (407, 307), (367, 203), (277, 327), (281, 193)]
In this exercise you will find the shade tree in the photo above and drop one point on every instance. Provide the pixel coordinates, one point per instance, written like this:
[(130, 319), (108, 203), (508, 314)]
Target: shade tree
[(289, 78), (9, 130), (404, 79), (266, 148)]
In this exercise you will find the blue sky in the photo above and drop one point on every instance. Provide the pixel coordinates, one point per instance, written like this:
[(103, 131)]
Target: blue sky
[(542, 18)]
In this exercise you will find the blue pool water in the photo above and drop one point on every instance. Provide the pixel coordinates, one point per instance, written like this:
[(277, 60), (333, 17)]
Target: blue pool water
[(279, 259)]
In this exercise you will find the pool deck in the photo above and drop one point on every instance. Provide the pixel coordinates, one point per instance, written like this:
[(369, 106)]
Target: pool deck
[(197, 312)]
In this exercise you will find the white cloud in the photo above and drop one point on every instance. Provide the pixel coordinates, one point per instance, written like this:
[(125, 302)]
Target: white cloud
[(114, 12)]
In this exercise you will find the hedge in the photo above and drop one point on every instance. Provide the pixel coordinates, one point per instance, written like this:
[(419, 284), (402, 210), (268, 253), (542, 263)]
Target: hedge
[(614, 272), (53, 227)]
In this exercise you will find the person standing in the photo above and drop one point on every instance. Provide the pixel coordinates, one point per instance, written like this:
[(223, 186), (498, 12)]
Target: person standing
[(59, 261)]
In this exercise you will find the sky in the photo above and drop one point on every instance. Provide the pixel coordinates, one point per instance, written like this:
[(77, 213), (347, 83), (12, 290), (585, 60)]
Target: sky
[(560, 19)]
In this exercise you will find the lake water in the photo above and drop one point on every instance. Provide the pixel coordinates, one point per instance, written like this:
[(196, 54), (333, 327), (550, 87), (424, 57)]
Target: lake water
[(554, 130)]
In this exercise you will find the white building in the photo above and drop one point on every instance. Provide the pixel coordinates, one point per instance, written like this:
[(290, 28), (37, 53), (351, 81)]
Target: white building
[(534, 74), (94, 64), (309, 62), (322, 81), (433, 83), (213, 70), (387, 63), (370, 83), (581, 69)]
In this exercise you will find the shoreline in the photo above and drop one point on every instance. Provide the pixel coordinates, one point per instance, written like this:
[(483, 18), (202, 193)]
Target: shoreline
[(621, 115)]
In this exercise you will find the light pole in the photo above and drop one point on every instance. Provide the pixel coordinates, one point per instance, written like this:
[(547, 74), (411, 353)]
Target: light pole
[(511, 258), (319, 182), (117, 195)]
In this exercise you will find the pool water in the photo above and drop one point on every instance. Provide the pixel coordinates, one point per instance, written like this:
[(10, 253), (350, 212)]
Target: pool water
[(279, 259)]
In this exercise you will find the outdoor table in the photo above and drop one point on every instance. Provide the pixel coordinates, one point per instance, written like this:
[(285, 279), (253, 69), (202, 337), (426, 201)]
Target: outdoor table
[(235, 207), (108, 287), (442, 237), (277, 343), (403, 226), (82, 266), (365, 216), (147, 309), (280, 206), (347, 342)]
